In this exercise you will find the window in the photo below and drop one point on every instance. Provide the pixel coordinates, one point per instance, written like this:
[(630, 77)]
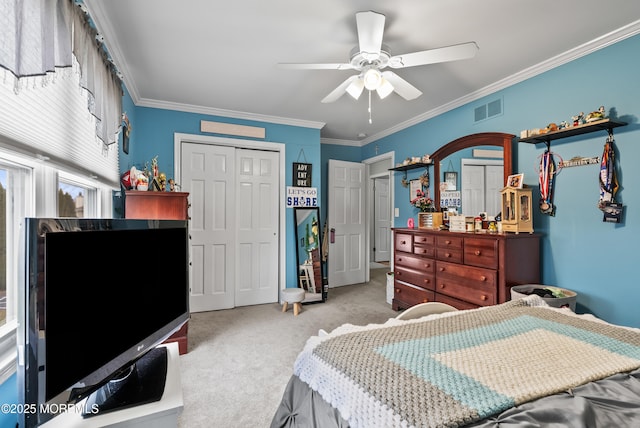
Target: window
[(76, 197), (15, 180)]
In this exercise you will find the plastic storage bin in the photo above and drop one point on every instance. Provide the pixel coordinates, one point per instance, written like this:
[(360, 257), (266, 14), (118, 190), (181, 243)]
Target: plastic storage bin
[(521, 291)]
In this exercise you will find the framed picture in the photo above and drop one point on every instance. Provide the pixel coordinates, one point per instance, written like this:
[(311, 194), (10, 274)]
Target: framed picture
[(445, 213), (516, 181), (451, 178), (414, 187)]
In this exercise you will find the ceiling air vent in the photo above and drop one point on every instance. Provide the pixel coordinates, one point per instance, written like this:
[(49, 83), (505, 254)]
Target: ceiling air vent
[(489, 110)]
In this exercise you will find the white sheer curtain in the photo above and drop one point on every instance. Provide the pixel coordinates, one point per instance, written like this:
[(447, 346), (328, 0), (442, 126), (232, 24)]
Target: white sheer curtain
[(39, 36)]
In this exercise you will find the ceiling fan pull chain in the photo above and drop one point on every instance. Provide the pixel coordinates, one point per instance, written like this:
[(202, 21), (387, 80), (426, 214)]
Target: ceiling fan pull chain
[(370, 121)]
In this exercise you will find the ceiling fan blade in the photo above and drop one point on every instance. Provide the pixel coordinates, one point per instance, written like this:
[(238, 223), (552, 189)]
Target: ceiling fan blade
[(370, 31), (309, 66), (433, 56), (339, 91), (403, 88)]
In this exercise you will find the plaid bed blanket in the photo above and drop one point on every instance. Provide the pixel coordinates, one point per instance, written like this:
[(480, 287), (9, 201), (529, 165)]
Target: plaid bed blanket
[(448, 371)]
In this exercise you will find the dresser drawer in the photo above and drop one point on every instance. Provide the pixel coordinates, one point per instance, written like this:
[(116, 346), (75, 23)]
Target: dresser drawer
[(449, 254), (481, 252), (412, 295), (472, 284), (425, 251), (449, 242), (423, 239), (477, 277), (418, 263), (456, 303), (414, 277), (477, 295), (404, 242)]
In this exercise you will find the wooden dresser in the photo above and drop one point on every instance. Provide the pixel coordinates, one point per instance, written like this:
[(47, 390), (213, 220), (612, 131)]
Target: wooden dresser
[(465, 270), (160, 206)]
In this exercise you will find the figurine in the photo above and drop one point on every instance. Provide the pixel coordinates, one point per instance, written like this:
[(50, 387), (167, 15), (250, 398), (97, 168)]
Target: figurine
[(162, 181), (595, 115), (172, 185), (578, 119)]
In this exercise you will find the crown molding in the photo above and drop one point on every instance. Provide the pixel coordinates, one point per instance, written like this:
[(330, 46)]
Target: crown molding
[(339, 142)]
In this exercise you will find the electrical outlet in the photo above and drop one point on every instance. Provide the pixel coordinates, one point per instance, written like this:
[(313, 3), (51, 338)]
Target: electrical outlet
[(397, 212)]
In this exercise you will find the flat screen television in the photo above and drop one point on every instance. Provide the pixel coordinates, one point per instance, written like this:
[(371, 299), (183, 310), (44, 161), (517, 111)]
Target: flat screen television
[(96, 297)]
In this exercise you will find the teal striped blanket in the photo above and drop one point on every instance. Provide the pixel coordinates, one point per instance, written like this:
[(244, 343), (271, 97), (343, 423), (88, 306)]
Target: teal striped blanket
[(454, 369)]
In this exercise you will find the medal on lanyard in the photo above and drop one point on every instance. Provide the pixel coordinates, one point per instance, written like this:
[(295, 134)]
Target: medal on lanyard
[(609, 184), (607, 178), (546, 173)]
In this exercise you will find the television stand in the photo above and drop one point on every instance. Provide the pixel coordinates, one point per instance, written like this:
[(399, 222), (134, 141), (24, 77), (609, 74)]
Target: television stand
[(140, 383), (158, 414)]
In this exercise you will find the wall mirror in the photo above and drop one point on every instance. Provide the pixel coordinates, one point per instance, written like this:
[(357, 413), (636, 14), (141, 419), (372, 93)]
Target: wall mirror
[(451, 157), (308, 253)]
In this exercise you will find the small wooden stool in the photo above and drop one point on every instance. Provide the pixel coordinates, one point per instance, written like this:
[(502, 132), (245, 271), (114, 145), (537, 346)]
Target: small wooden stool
[(292, 295)]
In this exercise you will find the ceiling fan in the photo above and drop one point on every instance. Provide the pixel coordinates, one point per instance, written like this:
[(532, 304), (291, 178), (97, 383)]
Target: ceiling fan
[(371, 56)]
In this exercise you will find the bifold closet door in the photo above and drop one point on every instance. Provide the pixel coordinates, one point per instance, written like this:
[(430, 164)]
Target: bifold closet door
[(233, 225)]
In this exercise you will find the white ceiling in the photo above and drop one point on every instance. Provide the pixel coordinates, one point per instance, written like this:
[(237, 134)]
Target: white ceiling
[(220, 57)]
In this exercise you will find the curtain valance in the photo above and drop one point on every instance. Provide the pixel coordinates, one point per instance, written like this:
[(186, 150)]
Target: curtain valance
[(39, 36)]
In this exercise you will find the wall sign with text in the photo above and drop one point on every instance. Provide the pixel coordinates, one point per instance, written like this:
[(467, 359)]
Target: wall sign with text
[(302, 197), (451, 199), (301, 174)]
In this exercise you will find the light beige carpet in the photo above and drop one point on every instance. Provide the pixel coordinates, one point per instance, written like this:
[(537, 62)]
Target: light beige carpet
[(240, 360)]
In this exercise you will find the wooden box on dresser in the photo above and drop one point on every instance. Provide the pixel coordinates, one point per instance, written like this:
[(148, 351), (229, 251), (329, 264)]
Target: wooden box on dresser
[(160, 206), (465, 270)]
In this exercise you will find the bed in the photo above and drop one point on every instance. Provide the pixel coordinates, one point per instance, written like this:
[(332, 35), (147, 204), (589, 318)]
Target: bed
[(515, 364)]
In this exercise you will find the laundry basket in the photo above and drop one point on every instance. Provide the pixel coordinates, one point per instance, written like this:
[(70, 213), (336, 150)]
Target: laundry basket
[(524, 290)]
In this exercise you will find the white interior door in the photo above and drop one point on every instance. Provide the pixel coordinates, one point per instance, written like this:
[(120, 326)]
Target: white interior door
[(234, 197), (382, 220), (347, 261), (257, 227), (208, 174)]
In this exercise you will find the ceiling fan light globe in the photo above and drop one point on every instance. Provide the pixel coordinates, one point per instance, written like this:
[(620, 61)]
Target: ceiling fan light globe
[(355, 88), (372, 79), (384, 89)]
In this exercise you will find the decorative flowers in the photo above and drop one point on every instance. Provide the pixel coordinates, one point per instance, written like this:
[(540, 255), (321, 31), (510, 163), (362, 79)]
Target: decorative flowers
[(422, 202)]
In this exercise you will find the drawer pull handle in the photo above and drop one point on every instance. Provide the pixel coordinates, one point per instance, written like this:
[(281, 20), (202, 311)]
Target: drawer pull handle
[(448, 255), (398, 273), (483, 297), (426, 280), (399, 259), (478, 252), (403, 242), (425, 301), (441, 269), (442, 286), (398, 290), (447, 242), (427, 266), (483, 278)]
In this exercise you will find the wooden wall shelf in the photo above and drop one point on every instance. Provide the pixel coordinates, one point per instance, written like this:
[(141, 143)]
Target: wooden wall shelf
[(411, 166), (599, 125)]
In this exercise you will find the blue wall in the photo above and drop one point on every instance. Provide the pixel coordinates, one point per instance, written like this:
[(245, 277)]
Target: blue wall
[(153, 135), (579, 250)]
